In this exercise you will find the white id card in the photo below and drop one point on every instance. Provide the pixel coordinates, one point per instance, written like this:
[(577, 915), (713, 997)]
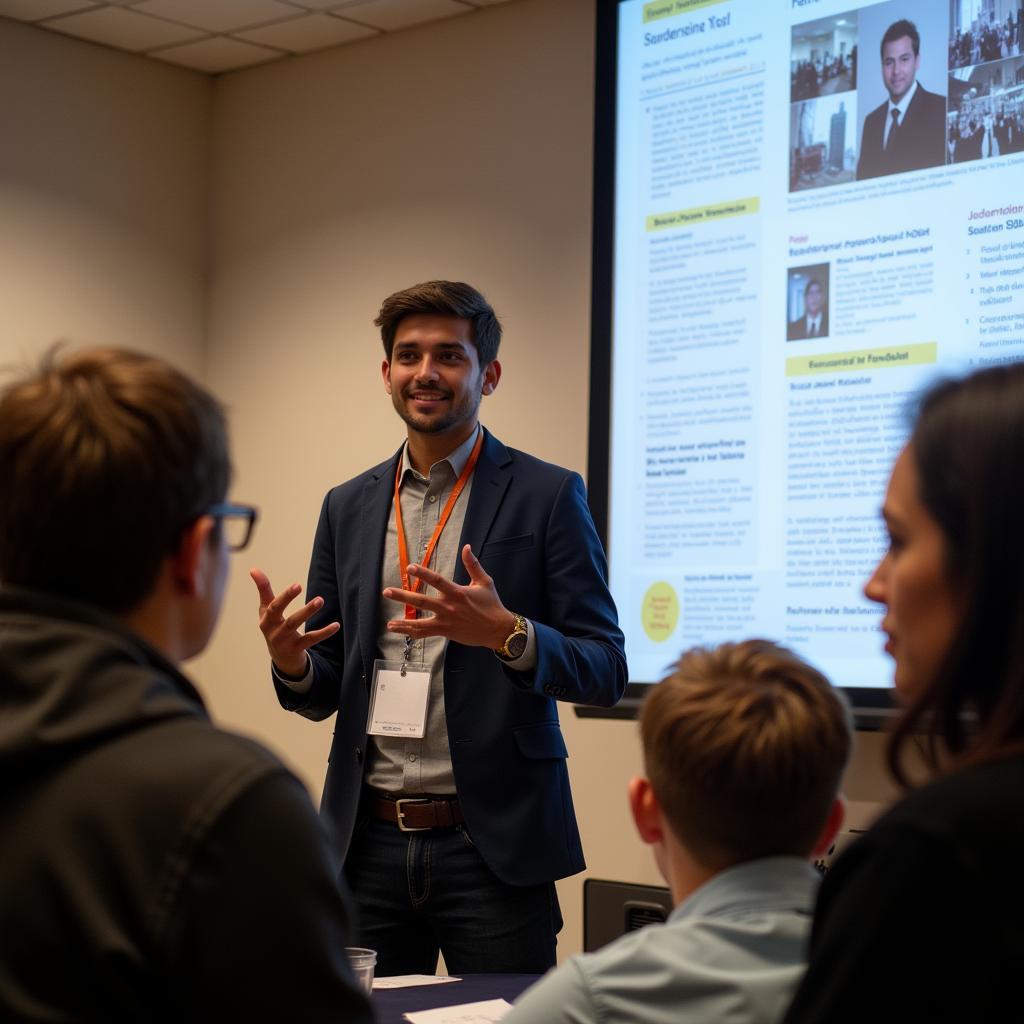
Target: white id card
[(398, 703)]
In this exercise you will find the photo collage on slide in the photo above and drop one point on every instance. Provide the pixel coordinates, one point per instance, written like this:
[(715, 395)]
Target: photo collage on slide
[(986, 80), (962, 86), (840, 90)]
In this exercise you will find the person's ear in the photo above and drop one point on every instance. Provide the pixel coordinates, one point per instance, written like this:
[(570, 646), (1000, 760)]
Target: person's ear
[(492, 374), (191, 558), (646, 810), (385, 372), (831, 828)]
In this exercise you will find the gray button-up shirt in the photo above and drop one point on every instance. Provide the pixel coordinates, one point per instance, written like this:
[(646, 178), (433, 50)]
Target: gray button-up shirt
[(404, 765)]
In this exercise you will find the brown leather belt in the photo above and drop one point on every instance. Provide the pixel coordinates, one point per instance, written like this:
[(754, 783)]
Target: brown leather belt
[(416, 814)]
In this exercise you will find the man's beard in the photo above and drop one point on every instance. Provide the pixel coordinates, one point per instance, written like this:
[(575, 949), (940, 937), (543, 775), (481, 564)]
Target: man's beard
[(462, 413)]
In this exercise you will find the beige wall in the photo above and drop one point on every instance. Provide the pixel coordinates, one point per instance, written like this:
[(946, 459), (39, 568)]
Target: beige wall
[(459, 149), (103, 198)]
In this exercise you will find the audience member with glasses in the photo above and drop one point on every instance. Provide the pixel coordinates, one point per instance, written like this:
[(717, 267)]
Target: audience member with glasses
[(155, 867)]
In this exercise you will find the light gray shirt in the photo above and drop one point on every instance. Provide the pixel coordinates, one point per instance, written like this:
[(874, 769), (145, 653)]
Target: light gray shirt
[(415, 766), (733, 951)]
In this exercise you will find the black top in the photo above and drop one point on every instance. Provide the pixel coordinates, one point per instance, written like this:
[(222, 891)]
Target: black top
[(922, 919), (152, 866)]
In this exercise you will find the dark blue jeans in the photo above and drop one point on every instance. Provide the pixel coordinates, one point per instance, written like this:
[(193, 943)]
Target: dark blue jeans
[(420, 892)]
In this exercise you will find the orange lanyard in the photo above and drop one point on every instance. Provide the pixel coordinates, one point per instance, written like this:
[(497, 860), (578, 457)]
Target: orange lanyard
[(416, 584)]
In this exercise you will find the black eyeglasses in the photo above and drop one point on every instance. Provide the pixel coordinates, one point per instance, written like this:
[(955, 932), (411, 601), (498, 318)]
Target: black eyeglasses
[(237, 523)]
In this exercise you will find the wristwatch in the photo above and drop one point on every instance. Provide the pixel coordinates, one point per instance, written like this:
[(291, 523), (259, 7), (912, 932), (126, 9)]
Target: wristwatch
[(515, 642)]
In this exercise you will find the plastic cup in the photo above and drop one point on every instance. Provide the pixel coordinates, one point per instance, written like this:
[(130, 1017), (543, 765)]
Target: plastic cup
[(362, 962)]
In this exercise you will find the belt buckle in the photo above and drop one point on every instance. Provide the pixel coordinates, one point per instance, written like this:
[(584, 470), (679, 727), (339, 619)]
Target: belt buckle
[(400, 814)]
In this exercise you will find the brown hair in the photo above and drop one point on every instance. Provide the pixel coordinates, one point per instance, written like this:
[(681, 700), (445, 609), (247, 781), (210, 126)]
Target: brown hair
[(897, 30), (106, 456), (443, 298), (745, 746), (968, 449)]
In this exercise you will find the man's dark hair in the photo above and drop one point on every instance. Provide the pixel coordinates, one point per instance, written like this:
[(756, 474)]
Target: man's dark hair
[(106, 457), (899, 29), (443, 298), (813, 282)]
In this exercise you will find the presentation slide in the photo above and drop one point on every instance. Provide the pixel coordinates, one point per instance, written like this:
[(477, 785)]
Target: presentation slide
[(819, 208)]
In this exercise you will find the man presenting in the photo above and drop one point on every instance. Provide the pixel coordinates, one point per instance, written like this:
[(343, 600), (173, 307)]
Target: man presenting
[(908, 131), (457, 590)]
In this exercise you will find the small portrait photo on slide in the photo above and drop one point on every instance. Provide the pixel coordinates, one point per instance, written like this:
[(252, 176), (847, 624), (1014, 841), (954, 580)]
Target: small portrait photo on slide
[(807, 302)]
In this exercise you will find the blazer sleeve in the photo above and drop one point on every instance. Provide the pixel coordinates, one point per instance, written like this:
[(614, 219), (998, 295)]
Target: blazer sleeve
[(328, 657), (580, 649)]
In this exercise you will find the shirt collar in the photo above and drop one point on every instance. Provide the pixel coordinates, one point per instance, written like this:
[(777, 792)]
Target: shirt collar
[(903, 103), (770, 882), (456, 459)]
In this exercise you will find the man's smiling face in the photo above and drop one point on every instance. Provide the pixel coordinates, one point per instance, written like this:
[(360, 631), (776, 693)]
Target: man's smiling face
[(434, 375)]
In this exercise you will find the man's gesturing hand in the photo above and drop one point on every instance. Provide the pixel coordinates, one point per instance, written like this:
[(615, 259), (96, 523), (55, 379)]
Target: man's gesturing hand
[(471, 615), (287, 645)]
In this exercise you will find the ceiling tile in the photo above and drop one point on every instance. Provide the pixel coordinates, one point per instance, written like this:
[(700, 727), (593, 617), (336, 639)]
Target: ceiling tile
[(309, 32), (395, 14), (34, 10), (216, 55), (217, 15), (123, 29)]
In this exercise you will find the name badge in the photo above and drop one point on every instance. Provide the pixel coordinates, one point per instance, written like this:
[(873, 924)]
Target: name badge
[(398, 700)]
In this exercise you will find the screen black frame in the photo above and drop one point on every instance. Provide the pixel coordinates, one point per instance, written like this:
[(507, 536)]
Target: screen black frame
[(872, 707)]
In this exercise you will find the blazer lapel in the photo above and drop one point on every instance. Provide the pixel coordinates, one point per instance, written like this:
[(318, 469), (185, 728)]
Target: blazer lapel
[(490, 481), (378, 493)]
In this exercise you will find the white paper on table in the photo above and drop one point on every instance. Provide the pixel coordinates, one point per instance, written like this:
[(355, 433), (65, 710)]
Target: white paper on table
[(409, 980), (484, 1012)]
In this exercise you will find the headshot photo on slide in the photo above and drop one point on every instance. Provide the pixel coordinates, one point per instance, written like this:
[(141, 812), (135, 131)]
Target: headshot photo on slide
[(807, 302), (901, 88)]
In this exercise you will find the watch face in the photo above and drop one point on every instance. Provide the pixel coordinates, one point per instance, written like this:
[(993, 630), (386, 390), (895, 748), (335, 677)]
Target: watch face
[(516, 645)]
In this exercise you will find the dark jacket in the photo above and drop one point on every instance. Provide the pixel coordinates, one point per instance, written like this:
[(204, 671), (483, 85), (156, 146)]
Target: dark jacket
[(528, 523), (922, 918), (152, 866), (920, 142)]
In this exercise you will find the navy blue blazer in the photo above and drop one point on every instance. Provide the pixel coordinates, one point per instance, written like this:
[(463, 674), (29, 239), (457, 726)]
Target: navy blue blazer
[(528, 523)]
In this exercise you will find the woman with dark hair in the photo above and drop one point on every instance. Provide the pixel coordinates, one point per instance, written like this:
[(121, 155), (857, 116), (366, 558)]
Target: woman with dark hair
[(923, 917)]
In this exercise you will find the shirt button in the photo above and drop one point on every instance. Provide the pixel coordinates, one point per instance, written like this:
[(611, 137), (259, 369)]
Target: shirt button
[(433, 498)]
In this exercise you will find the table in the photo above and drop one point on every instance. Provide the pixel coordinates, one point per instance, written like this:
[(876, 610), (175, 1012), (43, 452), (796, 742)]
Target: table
[(390, 1004)]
